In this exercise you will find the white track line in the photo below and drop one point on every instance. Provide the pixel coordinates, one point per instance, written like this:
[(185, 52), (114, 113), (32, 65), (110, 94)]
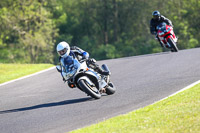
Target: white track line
[(27, 76), (187, 87)]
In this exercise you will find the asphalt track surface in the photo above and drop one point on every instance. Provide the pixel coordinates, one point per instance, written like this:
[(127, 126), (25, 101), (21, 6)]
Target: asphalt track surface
[(44, 104)]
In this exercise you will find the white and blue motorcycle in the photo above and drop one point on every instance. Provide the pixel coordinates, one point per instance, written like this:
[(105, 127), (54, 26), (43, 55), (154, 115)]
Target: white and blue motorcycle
[(79, 75)]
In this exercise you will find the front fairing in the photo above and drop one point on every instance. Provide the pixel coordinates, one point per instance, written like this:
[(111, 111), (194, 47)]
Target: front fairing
[(73, 70), (165, 32), (69, 67), (66, 63), (163, 29)]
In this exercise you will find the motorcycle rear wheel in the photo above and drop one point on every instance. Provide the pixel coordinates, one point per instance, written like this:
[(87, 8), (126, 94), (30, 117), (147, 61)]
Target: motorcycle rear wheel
[(173, 45), (110, 89), (90, 90)]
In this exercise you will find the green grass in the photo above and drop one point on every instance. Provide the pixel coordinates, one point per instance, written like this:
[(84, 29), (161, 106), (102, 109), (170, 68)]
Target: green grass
[(13, 71), (177, 114)]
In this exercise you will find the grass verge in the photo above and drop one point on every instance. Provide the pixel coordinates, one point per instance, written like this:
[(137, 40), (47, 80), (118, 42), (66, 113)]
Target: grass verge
[(13, 71), (179, 114)]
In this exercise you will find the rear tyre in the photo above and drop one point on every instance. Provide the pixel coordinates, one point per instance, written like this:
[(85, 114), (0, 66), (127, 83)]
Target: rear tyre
[(110, 89), (90, 90), (173, 45)]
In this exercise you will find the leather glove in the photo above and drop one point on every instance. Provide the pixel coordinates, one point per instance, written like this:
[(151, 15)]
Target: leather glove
[(92, 60), (85, 55)]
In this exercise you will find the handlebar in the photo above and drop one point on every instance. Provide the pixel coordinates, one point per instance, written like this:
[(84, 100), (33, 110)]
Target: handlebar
[(82, 60)]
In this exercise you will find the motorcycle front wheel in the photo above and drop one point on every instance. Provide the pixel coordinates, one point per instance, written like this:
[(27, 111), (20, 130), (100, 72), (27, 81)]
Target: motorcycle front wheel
[(173, 45), (90, 90)]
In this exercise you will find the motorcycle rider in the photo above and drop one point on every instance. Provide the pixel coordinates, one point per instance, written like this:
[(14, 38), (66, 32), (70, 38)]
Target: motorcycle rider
[(157, 18), (65, 51)]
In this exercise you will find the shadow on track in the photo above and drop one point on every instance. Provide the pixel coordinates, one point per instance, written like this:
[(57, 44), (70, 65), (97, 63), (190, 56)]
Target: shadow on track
[(47, 105)]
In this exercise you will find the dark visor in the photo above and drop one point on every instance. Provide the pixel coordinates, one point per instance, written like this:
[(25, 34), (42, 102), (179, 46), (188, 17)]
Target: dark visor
[(62, 52), (155, 16)]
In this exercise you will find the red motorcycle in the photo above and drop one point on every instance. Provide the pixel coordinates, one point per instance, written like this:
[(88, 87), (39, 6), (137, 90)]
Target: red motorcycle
[(167, 36)]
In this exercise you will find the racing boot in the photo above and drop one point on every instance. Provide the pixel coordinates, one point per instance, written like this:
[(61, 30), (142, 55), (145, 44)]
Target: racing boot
[(99, 70), (92, 64)]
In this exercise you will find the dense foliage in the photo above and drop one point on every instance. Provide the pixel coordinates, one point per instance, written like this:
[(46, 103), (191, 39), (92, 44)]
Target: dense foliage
[(30, 29)]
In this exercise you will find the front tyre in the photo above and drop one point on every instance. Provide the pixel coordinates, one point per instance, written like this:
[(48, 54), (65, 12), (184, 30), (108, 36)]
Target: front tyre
[(110, 89), (90, 90), (173, 45)]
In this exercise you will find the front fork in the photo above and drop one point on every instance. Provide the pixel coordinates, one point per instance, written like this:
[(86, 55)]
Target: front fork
[(173, 37)]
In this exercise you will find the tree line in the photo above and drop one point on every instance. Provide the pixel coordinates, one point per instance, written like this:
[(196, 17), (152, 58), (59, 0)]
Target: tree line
[(31, 29)]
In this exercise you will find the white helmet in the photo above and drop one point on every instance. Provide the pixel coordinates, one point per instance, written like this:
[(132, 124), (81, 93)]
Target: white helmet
[(63, 49)]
